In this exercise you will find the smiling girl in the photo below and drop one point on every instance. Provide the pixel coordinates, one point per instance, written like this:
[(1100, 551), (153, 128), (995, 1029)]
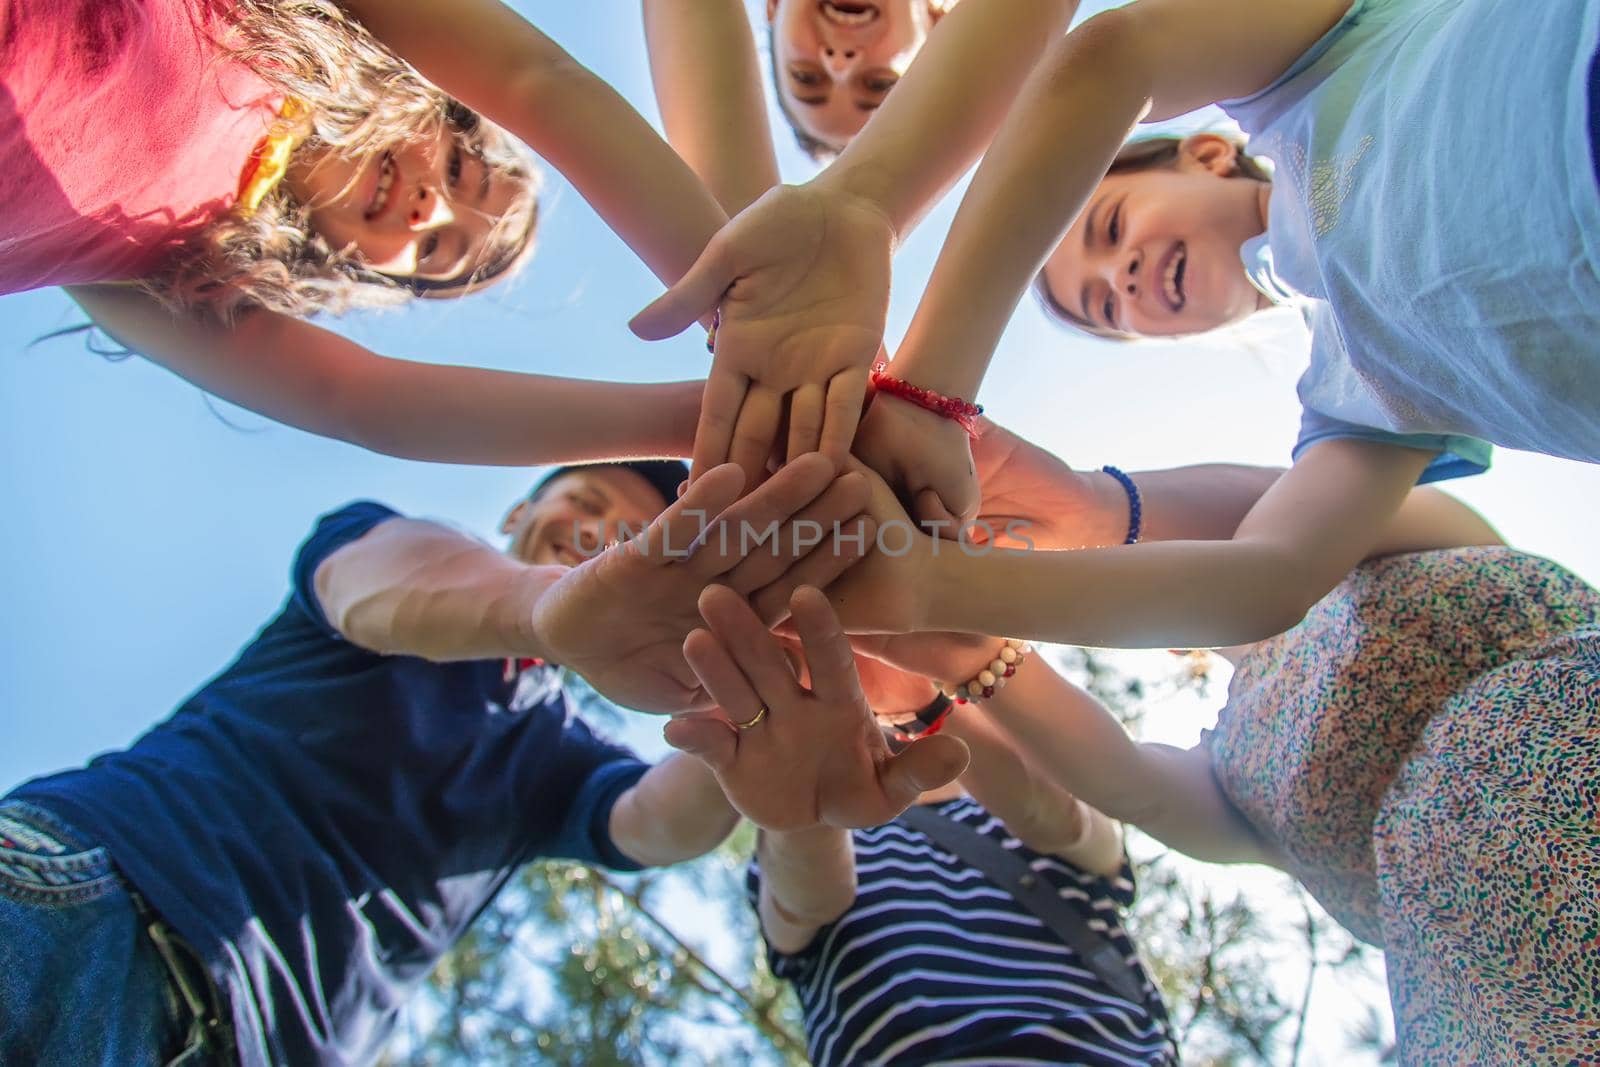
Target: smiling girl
[(203, 175), (834, 61), (1435, 214)]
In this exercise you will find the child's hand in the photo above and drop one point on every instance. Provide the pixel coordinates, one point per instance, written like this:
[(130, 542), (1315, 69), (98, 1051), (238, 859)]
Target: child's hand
[(925, 458), (807, 757), (801, 278), (891, 591), (1028, 491)]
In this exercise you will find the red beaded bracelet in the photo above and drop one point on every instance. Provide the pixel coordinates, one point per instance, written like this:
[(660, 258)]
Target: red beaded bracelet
[(948, 407)]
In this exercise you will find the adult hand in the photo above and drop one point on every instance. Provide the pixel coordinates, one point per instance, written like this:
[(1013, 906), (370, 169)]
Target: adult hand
[(801, 278), (1031, 499), (925, 458), (811, 756), (620, 619)]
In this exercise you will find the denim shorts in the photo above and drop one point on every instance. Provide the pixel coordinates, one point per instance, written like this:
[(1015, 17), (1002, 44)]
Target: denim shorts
[(91, 975)]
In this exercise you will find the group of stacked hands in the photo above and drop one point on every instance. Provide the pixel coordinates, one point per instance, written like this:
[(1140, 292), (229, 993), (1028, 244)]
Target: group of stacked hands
[(810, 604)]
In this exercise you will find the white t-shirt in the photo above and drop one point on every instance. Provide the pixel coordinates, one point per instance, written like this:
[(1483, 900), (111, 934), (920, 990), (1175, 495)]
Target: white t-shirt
[(1436, 207)]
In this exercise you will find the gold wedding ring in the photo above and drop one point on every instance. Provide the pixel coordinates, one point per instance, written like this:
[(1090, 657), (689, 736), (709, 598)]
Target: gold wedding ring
[(762, 714)]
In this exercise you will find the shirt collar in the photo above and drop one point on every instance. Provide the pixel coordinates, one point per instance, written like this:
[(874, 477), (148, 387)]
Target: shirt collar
[(1256, 254)]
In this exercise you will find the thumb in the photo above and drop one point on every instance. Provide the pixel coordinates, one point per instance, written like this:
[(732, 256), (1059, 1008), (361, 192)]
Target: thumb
[(925, 764), (694, 296), (704, 736)]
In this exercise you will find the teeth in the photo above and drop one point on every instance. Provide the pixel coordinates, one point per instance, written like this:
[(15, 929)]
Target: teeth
[(1170, 280), (851, 15), (380, 195)]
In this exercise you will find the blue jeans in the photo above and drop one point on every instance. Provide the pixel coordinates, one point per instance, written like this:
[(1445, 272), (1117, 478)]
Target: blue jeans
[(89, 974)]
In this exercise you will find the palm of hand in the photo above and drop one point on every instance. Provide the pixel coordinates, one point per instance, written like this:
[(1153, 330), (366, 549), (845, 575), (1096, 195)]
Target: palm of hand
[(801, 280), (1027, 490), (810, 294), (891, 691), (829, 772), (619, 621)]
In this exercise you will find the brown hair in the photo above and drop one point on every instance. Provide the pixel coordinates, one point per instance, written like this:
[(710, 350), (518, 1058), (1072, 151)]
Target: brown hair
[(361, 99), (1145, 153)]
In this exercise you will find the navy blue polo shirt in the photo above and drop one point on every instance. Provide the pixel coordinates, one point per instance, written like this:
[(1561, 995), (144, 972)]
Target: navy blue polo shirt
[(321, 822)]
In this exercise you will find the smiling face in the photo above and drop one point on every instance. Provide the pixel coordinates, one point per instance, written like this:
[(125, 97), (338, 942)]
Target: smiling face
[(834, 61), (425, 209), (574, 516), (1155, 253)]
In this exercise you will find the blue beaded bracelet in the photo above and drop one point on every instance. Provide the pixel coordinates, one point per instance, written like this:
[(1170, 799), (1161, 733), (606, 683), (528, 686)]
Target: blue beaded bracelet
[(1135, 506)]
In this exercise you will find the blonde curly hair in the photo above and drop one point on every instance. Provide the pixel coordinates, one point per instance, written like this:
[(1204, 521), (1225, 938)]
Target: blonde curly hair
[(360, 99)]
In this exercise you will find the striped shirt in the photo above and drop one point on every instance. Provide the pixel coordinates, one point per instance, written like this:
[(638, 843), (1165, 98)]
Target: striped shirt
[(934, 963)]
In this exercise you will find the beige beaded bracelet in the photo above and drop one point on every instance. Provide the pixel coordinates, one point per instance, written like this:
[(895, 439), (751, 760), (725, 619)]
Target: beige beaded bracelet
[(992, 678)]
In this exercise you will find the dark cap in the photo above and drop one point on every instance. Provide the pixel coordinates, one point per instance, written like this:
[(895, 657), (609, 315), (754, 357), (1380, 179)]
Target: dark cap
[(664, 475)]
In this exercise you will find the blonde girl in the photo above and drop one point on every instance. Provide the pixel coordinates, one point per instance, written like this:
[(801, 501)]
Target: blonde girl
[(204, 175)]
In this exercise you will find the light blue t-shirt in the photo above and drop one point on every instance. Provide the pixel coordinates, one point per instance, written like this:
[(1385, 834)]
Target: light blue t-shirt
[(1436, 208)]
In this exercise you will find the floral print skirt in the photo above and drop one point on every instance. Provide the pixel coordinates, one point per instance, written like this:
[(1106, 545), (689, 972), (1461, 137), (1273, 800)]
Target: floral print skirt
[(1425, 748)]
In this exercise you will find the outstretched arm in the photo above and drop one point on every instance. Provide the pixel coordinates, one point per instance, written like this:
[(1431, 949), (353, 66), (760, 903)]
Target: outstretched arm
[(945, 111), (808, 879), (674, 813), (315, 380), (1031, 491), (497, 63), (707, 80), (416, 588), (1149, 60), (1168, 793), (1036, 806), (802, 275), (1305, 533)]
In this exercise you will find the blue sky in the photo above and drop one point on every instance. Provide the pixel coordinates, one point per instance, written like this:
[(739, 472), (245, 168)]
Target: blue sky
[(149, 530)]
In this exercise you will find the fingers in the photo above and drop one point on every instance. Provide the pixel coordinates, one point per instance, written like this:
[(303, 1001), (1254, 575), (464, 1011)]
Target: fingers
[(677, 529), (826, 562), (755, 431), (847, 392), (691, 299), (759, 515), (720, 406), (753, 651), (927, 763), (814, 528), (706, 736), (833, 666), (805, 419), (720, 675)]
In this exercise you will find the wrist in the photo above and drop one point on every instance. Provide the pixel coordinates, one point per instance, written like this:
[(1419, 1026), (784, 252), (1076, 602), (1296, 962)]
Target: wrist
[(946, 588), (516, 615), (926, 367), (1108, 517), (859, 187)]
